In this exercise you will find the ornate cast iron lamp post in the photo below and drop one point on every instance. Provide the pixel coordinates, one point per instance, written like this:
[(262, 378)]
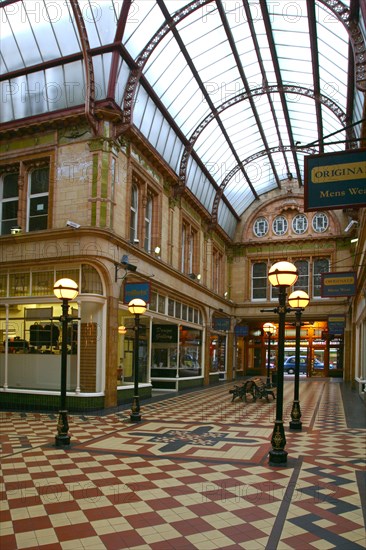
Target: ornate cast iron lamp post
[(65, 290), (298, 300), (281, 275), (137, 307), (269, 329)]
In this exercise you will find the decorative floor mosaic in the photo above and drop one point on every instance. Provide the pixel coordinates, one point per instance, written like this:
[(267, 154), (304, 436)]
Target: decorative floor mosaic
[(193, 474)]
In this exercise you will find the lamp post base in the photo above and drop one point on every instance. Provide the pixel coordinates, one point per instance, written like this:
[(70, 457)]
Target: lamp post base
[(62, 438), (278, 455), (295, 422), (135, 415)]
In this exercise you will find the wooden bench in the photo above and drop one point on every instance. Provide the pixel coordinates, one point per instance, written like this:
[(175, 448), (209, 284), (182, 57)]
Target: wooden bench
[(255, 387), (261, 390), (238, 391)]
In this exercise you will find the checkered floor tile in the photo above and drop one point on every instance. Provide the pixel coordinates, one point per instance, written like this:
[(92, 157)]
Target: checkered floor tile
[(193, 474)]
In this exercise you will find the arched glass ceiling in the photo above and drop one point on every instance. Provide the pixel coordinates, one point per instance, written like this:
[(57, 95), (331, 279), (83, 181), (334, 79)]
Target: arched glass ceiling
[(232, 95)]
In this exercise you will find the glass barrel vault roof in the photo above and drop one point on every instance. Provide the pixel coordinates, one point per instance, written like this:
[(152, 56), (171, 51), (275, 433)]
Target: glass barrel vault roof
[(231, 94)]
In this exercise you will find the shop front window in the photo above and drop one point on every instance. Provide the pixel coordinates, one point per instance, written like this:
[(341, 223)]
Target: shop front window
[(31, 341), (190, 352), (218, 354)]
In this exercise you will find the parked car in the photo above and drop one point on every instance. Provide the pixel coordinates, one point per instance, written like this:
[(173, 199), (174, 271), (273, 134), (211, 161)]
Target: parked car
[(290, 362)]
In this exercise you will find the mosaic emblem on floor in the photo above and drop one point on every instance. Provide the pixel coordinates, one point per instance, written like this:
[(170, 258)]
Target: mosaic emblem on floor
[(197, 441)]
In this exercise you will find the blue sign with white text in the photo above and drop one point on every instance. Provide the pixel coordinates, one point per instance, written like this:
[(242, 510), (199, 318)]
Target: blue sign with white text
[(137, 290)]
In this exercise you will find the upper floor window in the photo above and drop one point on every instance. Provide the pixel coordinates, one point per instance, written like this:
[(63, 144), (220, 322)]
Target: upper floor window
[(145, 222), (148, 223), (217, 271), (259, 281), (280, 225), (9, 202), (38, 199), (134, 213), (320, 222), (260, 227), (321, 265), (300, 224), (25, 203), (302, 282), (189, 250), (261, 289)]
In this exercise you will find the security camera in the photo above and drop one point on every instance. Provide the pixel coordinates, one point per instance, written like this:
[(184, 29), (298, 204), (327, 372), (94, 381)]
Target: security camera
[(74, 225), (350, 225)]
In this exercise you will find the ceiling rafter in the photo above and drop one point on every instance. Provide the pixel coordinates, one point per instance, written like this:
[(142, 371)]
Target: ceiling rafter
[(318, 98), (248, 160), (121, 25), (205, 94), (315, 66), (165, 28), (277, 71), (88, 65), (350, 22), (255, 61), (249, 17)]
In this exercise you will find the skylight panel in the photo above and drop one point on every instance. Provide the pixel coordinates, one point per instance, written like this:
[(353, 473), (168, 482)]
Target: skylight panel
[(143, 21), (100, 21)]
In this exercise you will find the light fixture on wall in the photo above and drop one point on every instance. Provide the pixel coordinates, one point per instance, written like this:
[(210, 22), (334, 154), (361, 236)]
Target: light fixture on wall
[(194, 276), (351, 224), (17, 230), (157, 250), (122, 329)]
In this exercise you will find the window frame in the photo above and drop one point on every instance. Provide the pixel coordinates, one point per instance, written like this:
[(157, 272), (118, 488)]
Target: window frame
[(257, 222), (144, 226), (3, 201), (295, 221), (25, 167), (317, 225), (264, 297), (189, 260), (36, 196), (278, 220)]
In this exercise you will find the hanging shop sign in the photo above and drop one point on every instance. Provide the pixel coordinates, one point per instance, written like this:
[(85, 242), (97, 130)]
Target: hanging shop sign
[(241, 330), (165, 334), (221, 323), (334, 285), (335, 180), (136, 290), (336, 325)]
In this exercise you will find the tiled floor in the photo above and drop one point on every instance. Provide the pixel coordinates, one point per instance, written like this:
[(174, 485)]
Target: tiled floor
[(193, 474)]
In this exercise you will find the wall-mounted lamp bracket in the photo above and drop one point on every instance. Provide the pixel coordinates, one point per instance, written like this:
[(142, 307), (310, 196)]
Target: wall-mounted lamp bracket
[(117, 267), (124, 264)]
